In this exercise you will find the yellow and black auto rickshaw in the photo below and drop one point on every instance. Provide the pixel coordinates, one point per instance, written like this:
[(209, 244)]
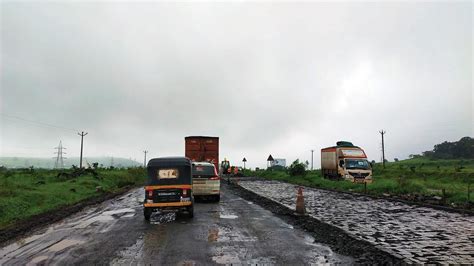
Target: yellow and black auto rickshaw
[(169, 186)]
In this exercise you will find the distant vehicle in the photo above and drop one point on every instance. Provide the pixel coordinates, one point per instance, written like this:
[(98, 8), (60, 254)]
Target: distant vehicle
[(226, 167), (202, 149), (228, 170), (206, 181), (346, 161), (169, 187)]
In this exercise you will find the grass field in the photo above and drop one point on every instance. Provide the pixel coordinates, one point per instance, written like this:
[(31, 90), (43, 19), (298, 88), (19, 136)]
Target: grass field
[(26, 192), (408, 179)]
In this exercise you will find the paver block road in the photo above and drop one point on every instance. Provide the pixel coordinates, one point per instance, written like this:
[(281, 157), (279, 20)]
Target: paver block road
[(418, 234)]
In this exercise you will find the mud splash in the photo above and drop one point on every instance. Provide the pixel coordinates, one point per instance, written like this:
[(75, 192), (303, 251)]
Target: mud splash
[(161, 218)]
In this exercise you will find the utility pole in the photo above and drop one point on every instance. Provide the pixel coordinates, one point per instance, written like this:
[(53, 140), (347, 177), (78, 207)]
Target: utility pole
[(312, 151), (82, 134), (382, 132), (59, 158), (144, 161)]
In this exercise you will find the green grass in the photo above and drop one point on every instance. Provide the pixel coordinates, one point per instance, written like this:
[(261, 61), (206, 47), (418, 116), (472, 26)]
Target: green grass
[(406, 178), (24, 193)]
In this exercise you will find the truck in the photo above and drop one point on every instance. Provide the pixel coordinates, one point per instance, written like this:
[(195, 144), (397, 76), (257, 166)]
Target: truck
[(346, 161), (202, 149)]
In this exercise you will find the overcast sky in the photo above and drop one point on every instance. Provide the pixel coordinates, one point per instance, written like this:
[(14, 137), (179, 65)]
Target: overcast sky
[(267, 78)]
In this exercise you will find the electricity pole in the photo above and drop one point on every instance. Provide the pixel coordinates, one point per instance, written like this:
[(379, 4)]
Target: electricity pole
[(82, 134), (312, 160), (144, 161), (382, 132)]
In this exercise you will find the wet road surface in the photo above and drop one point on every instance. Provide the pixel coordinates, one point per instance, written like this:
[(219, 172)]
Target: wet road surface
[(416, 234), (234, 231)]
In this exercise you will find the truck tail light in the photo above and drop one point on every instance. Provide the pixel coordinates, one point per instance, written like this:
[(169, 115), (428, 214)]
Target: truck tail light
[(214, 178), (185, 192)]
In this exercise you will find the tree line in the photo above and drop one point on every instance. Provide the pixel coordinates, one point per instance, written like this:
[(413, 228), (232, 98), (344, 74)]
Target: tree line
[(462, 149)]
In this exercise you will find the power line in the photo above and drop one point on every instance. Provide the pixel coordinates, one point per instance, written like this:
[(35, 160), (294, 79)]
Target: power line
[(36, 122)]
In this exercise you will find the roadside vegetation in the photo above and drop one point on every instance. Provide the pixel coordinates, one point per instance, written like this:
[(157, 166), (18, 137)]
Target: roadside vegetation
[(442, 182), (442, 176), (27, 192)]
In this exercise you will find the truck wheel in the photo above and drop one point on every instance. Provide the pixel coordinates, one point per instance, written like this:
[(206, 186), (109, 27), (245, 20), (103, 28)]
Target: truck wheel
[(147, 213)]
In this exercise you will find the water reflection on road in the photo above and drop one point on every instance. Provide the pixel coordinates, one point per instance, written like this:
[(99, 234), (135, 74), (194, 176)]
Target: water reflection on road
[(232, 231)]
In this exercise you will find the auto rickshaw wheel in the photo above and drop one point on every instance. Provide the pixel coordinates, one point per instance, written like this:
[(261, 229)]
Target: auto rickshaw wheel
[(217, 198), (147, 213)]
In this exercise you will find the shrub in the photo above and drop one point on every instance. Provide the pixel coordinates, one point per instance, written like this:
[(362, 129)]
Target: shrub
[(297, 168)]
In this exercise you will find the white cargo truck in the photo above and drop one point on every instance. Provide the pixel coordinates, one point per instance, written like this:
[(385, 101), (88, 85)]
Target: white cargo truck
[(346, 161)]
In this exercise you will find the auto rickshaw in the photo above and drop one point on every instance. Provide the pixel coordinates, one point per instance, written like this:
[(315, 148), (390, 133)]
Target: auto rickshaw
[(169, 186)]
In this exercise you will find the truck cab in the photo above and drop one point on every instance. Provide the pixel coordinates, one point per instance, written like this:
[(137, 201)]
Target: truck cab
[(346, 161)]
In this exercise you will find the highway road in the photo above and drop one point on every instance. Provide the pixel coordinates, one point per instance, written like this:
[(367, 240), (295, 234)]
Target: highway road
[(234, 231)]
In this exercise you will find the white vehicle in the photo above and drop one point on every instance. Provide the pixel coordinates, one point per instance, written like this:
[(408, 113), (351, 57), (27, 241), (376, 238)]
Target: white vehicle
[(206, 181)]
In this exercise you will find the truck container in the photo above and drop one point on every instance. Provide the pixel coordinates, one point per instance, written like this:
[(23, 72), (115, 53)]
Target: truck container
[(346, 161), (202, 149)]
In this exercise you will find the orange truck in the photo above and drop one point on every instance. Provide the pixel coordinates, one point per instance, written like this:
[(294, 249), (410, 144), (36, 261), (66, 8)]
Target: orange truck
[(202, 149), (346, 161)]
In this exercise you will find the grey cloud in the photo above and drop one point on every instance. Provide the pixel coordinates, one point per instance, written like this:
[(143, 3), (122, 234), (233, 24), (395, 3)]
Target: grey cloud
[(279, 78)]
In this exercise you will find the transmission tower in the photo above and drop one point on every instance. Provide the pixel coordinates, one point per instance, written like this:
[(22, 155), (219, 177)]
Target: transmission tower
[(59, 164)]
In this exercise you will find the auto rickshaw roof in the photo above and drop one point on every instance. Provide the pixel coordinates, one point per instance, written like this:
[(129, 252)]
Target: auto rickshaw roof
[(169, 161)]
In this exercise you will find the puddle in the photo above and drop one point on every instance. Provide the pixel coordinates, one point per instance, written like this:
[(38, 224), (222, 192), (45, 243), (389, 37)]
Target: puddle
[(228, 216), (100, 218), (107, 216), (63, 244), (120, 211), (20, 243), (38, 259)]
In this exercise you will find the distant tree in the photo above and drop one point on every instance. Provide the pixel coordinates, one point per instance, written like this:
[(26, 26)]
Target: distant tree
[(306, 163), (395, 159)]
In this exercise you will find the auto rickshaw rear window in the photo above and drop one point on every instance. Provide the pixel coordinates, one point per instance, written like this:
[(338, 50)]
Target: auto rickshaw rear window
[(168, 173)]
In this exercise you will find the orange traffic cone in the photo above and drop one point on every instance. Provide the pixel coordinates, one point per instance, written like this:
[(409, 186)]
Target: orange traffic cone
[(300, 209)]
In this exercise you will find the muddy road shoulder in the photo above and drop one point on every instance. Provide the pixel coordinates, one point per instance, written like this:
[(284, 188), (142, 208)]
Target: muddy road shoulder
[(36, 222)]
